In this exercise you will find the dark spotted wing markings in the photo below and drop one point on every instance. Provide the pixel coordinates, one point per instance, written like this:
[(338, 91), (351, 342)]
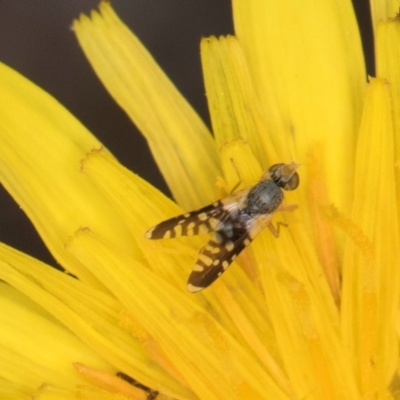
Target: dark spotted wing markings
[(235, 221)]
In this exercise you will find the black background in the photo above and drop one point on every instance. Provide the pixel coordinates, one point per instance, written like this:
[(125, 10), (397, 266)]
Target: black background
[(36, 40)]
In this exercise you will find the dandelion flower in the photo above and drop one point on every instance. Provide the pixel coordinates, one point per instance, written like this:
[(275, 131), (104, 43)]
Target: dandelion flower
[(312, 314)]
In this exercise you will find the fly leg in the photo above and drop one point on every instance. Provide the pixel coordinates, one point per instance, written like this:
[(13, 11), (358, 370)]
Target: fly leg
[(283, 207), (287, 207), (275, 231), (239, 182)]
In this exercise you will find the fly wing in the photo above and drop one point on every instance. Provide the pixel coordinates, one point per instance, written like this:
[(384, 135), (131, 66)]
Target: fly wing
[(207, 219), (226, 244)]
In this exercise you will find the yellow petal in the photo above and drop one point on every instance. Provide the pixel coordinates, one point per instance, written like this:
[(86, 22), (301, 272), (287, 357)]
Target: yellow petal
[(323, 216), (50, 392), (303, 303), (95, 317), (106, 383), (371, 277), (41, 146), (35, 348), (94, 393), (181, 144), (172, 259), (204, 348), (141, 206), (234, 107), (382, 10), (241, 169), (303, 316), (13, 391), (387, 56), (298, 55)]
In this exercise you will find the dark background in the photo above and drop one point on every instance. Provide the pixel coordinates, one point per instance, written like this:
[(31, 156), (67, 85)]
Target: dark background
[(36, 40)]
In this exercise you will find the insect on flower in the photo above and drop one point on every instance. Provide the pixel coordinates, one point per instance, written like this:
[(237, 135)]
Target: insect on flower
[(235, 220)]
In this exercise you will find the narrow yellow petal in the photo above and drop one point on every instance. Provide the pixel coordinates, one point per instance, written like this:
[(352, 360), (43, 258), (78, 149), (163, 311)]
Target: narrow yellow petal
[(258, 344), (95, 317), (234, 107), (323, 218), (298, 299), (173, 259), (41, 145), (381, 11), (180, 142), (35, 348), (303, 317), (50, 392), (298, 55), (94, 393), (123, 188), (371, 277), (110, 383), (273, 257), (204, 348), (13, 391), (387, 56)]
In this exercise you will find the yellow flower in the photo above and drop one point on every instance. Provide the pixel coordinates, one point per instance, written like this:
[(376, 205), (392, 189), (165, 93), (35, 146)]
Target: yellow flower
[(310, 315)]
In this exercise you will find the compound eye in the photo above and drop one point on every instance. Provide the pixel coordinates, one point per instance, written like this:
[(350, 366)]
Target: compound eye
[(285, 175), (293, 182), (275, 169)]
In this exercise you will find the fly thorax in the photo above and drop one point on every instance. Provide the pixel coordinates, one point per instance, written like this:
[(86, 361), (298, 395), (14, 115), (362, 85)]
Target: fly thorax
[(264, 198)]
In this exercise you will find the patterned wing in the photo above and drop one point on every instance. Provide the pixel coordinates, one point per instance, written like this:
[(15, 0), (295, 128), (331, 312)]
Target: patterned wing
[(216, 256), (207, 219)]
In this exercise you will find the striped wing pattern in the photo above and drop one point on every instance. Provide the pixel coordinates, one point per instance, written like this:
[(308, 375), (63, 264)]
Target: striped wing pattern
[(204, 220), (235, 221), (216, 256), (233, 231), (226, 244)]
